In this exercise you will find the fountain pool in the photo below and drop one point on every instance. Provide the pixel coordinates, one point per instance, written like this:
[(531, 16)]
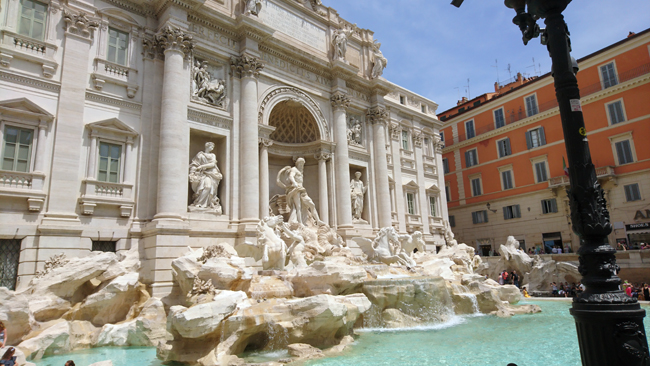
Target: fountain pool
[(548, 338)]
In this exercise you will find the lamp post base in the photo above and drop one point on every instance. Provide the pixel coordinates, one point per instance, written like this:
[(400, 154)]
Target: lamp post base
[(611, 334)]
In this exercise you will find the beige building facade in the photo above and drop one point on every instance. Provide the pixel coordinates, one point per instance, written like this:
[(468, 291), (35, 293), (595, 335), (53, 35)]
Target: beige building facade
[(106, 107)]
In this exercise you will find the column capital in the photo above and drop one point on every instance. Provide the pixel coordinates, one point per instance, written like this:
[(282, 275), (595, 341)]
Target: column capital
[(172, 38), (417, 139), (377, 114), (322, 155), (264, 142), (395, 131), (438, 145), (151, 49), (79, 24), (246, 66), (339, 100)]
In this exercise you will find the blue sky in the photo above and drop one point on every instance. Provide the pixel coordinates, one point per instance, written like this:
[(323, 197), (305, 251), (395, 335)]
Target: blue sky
[(433, 47)]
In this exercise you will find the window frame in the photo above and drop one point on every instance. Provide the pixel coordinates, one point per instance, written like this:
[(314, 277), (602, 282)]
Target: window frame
[(467, 137), (467, 153), (481, 213), (499, 147), (126, 51), (447, 192), (472, 178), (626, 136), (405, 145), (638, 192), (511, 212), (548, 208), (503, 115), (120, 168), (528, 111), (536, 160), (452, 221), (433, 206), (507, 169), (45, 21), (541, 137), (412, 204), (31, 151), (602, 79), (445, 166), (609, 116)]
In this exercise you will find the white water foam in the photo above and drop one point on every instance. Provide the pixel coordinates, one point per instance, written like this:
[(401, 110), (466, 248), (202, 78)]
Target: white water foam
[(452, 322)]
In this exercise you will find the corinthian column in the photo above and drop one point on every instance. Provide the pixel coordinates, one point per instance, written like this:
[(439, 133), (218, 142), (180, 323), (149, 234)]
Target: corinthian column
[(248, 68), (342, 164), (378, 117), (174, 138), (323, 197), (264, 176)]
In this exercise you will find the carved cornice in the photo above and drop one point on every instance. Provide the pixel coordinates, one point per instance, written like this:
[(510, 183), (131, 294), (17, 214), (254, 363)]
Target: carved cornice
[(323, 155), (79, 24), (208, 119), (340, 100), (29, 81), (102, 98), (173, 38), (246, 66), (377, 114)]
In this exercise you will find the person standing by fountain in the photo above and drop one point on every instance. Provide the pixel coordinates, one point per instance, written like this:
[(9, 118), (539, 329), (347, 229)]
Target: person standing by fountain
[(3, 334), (515, 278)]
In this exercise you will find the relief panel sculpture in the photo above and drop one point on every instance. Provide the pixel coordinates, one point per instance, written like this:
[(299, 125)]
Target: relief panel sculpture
[(354, 132), (205, 87)]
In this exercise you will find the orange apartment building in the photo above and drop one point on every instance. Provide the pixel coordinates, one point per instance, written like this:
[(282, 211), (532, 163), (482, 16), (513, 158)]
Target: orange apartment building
[(504, 154)]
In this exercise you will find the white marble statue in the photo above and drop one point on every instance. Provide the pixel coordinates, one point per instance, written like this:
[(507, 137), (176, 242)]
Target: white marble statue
[(385, 248), (411, 242), (354, 132), (253, 7), (357, 191), (449, 235), (379, 63), (205, 88), (302, 208), (340, 41), (204, 178)]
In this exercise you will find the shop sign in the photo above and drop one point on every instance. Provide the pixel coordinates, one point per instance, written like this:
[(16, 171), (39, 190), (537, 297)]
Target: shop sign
[(639, 215), (643, 225)]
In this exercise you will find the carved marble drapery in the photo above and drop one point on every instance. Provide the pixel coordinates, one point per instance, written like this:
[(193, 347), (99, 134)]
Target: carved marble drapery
[(340, 102), (247, 68), (378, 117)]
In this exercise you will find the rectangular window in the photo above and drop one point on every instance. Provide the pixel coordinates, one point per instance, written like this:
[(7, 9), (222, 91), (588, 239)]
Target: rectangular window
[(504, 147), (632, 192), (104, 246), (31, 22), (410, 202), (531, 105), (540, 172), (432, 206), (445, 165), (608, 75), (469, 129), (452, 221), (624, 152), (615, 111), (118, 44), (442, 136), (448, 193), (471, 158), (109, 162), (402, 99), (506, 180), (17, 149), (499, 118), (511, 212), (535, 138), (424, 108), (9, 259), (549, 206), (479, 217), (426, 147), (476, 187), (405, 140)]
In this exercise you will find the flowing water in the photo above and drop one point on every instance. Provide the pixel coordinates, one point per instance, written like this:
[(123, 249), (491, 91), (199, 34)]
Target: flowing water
[(544, 339)]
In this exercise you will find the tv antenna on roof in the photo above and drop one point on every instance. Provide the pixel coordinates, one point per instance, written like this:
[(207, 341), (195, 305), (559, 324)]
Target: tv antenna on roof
[(496, 65), (468, 93), (534, 66), (509, 72)]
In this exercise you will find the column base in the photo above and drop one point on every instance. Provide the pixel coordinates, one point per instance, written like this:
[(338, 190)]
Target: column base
[(611, 334), (169, 216)]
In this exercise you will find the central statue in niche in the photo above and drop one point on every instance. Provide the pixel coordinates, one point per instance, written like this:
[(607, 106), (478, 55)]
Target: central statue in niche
[(301, 207)]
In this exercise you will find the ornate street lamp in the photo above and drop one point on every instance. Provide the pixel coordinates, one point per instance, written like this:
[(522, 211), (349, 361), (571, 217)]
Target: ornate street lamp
[(609, 323)]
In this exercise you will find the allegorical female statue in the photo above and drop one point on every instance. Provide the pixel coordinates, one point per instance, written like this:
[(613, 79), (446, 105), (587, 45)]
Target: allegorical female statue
[(204, 178), (357, 190)]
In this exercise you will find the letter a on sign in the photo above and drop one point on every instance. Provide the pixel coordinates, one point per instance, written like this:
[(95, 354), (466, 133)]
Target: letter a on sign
[(639, 215)]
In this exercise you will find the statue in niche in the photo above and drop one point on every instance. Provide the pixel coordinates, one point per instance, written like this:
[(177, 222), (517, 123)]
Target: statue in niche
[(340, 41), (301, 207), (205, 178), (357, 191), (379, 63), (206, 89), (253, 7), (354, 132)]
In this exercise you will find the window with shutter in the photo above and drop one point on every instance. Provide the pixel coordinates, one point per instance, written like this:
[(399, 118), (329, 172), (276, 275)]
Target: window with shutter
[(535, 138), (499, 118), (615, 111), (445, 165), (506, 179), (624, 152), (452, 221), (549, 206), (531, 105), (504, 147), (469, 129), (608, 75), (448, 193), (540, 172), (476, 187), (511, 212), (632, 192)]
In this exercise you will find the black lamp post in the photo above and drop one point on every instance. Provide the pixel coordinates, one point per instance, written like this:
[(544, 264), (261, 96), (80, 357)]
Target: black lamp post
[(609, 323)]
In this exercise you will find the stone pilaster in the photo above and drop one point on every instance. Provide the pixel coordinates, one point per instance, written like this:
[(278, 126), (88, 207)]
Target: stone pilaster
[(400, 200), (422, 192), (247, 68), (173, 154), (264, 176), (438, 145), (340, 103), (323, 196), (378, 117)]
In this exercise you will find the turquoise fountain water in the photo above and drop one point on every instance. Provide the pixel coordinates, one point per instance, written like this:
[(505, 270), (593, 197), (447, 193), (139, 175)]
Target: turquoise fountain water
[(545, 339)]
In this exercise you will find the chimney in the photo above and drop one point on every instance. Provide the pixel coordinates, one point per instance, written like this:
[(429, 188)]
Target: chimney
[(631, 34)]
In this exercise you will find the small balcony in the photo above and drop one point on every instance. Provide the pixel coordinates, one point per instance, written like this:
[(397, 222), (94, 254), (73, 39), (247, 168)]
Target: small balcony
[(24, 185), (603, 173), (105, 193)]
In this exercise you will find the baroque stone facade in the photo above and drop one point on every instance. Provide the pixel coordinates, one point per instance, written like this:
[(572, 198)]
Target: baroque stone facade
[(103, 106)]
